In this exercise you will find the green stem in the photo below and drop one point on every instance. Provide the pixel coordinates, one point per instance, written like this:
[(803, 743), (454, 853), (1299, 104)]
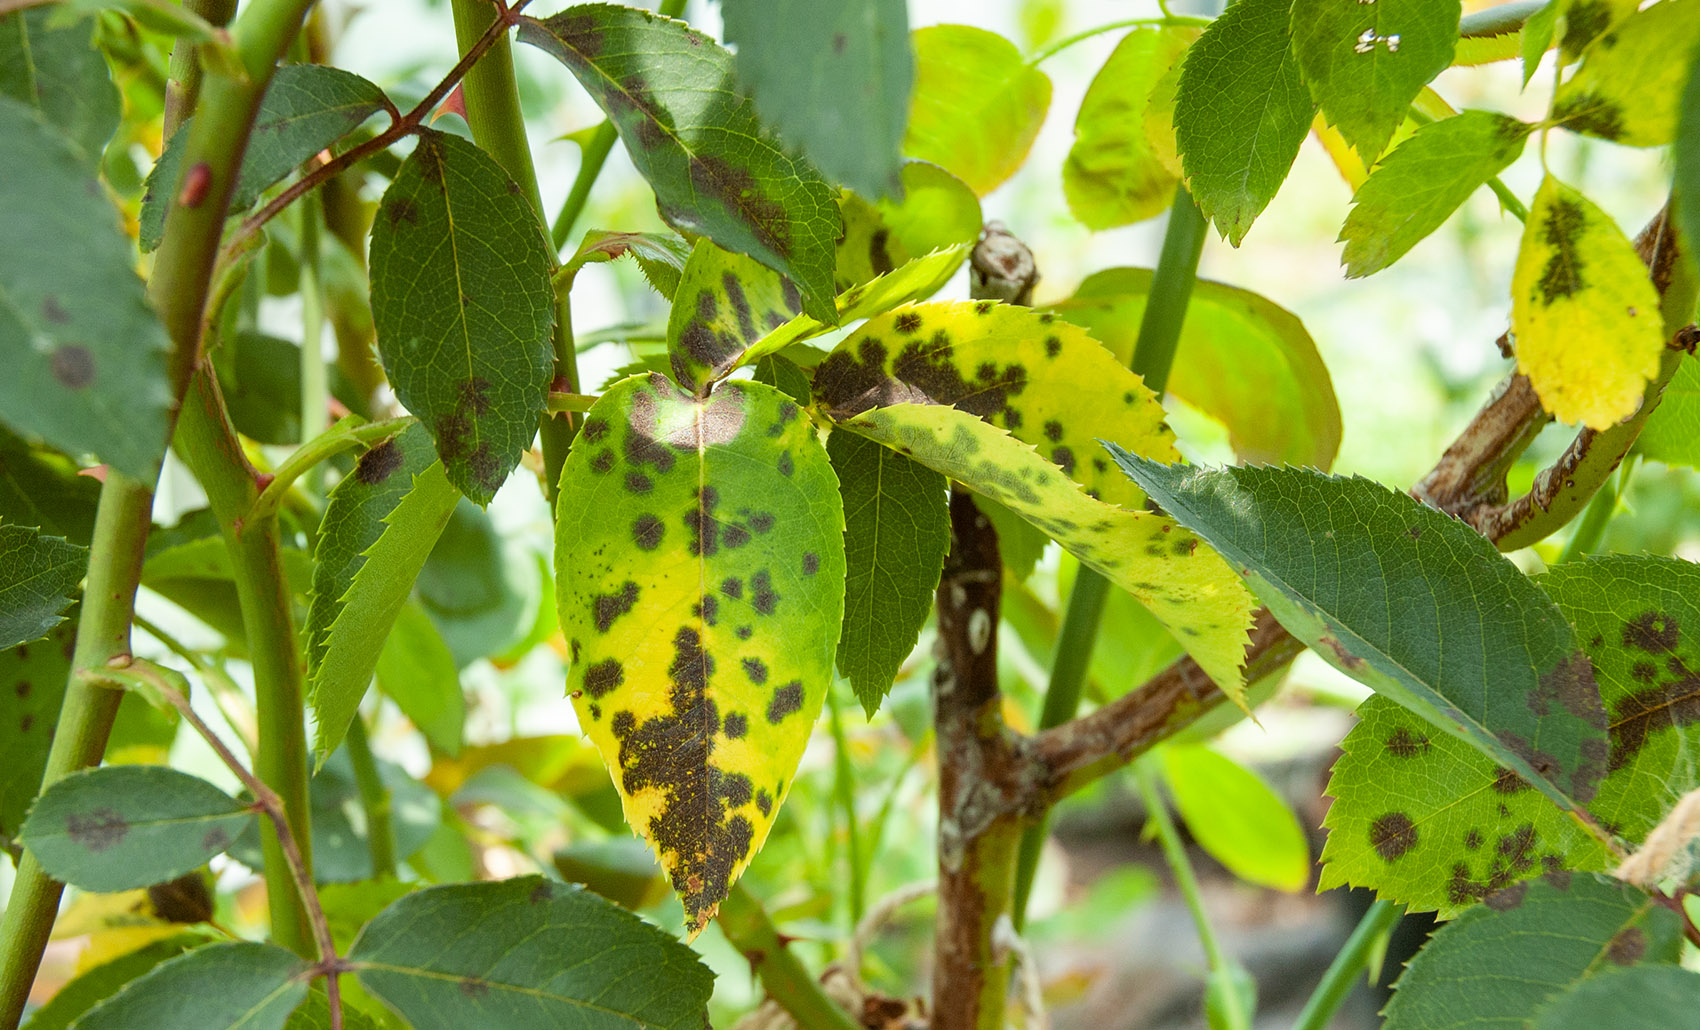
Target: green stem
[(315, 387), (844, 789), (572, 401), (591, 159), (1351, 959), (1153, 355), (374, 799), (748, 927), (1599, 512), (1127, 23), (1499, 19), (334, 440)]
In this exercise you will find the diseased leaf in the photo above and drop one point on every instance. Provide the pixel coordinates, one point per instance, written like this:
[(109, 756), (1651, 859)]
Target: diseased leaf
[(661, 255), (57, 70), (978, 104), (1365, 63), (724, 303), (700, 583), (1242, 359), (921, 277), (1241, 112), (527, 952), (937, 212), (1235, 816), (463, 306), (717, 171), (38, 580), (241, 985), (896, 533), (1499, 962), (1585, 314), (1585, 20), (1640, 995), (124, 826), (1628, 88), (98, 982), (83, 352), (417, 670), (1415, 189), (32, 685), (1388, 591), (1113, 175), (832, 79)]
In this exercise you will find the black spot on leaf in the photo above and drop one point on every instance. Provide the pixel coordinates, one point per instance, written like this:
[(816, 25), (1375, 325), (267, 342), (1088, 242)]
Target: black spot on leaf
[(762, 595), (377, 464), (638, 483), (785, 700), (756, 670), (73, 366), (737, 724), (811, 563), (647, 531), (1652, 632), (1405, 744), (605, 608), (603, 677), (1392, 835), (1562, 230), (97, 830), (1628, 946), (732, 587), (738, 190)]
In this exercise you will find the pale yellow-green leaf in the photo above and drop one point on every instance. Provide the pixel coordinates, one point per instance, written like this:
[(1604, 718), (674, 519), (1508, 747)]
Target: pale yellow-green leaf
[(1631, 76)]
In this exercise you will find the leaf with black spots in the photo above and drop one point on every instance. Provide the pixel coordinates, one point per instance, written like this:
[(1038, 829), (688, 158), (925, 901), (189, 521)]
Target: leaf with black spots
[(724, 303), (464, 308), (660, 255), (241, 985), (978, 104), (920, 277), (527, 952), (32, 685), (1390, 592), (717, 171), (38, 581), (58, 70), (896, 533), (1498, 963), (700, 581), (936, 212), (1629, 87), (124, 826), (1584, 312), (83, 351)]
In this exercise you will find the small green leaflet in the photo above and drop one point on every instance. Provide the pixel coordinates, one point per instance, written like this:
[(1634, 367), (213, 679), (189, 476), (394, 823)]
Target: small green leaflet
[(1366, 62), (1641, 995), (832, 79), (41, 487), (527, 952), (717, 171), (38, 580), (1235, 816), (1566, 927), (661, 255), (307, 108), (57, 70), (978, 104), (417, 670), (120, 827), (896, 533), (1387, 590), (29, 710), (243, 985), (97, 983), (724, 303), (1629, 86), (911, 281), (84, 354), (1415, 189), (700, 580), (1241, 112), (1672, 433), (463, 307), (1113, 176)]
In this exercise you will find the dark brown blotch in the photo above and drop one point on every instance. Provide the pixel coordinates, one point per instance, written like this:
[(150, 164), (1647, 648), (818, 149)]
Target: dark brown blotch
[(785, 700), (97, 830), (604, 677), (379, 463), (1392, 835), (73, 366), (605, 608), (1628, 946), (1652, 632), (647, 531), (1402, 743), (756, 670), (1562, 230), (762, 595)]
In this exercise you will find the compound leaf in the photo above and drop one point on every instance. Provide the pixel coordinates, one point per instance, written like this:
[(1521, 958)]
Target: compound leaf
[(1629, 87), (1113, 176), (978, 104), (242, 985), (38, 580), (57, 70)]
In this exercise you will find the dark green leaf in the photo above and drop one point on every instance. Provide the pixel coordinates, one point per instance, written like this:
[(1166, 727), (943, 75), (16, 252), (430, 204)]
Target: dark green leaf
[(41, 487), (1498, 963), (307, 108), (84, 354), (463, 306), (57, 70), (978, 104), (716, 170), (1241, 112), (1365, 63), (786, 376), (38, 580), (125, 826), (725, 302), (32, 684), (1392, 592), (243, 985), (527, 953), (471, 587), (417, 670), (1418, 186), (315, 1012), (831, 79), (896, 532), (260, 377), (1113, 176), (1639, 996), (95, 985)]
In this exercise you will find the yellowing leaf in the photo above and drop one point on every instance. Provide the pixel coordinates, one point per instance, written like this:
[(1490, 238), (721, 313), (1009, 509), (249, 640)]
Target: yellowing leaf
[(700, 576), (977, 104), (1631, 78), (724, 303), (1585, 315)]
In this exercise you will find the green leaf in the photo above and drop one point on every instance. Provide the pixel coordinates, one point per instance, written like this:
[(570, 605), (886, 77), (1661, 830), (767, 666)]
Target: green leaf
[(417, 670), (1498, 963), (1672, 433), (306, 109), (1235, 816), (921, 277), (1640, 995), (527, 952), (1537, 38), (243, 985), (41, 487), (471, 587), (1583, 310), (619, 869), (724, 303), (1415, 189), (1241, 111), (1365, 63), (58, 71), (936, 212), (38, 580), (124, 826), (717, 171), (1393, 599), (700, 583), (463, 306), (260, 377), (1242, 359), (661, 255), (1112, 175), (896, 533), (84, 354), (978, 104), (833, 80), (32, 685), (97, 983), (1629, 87)]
